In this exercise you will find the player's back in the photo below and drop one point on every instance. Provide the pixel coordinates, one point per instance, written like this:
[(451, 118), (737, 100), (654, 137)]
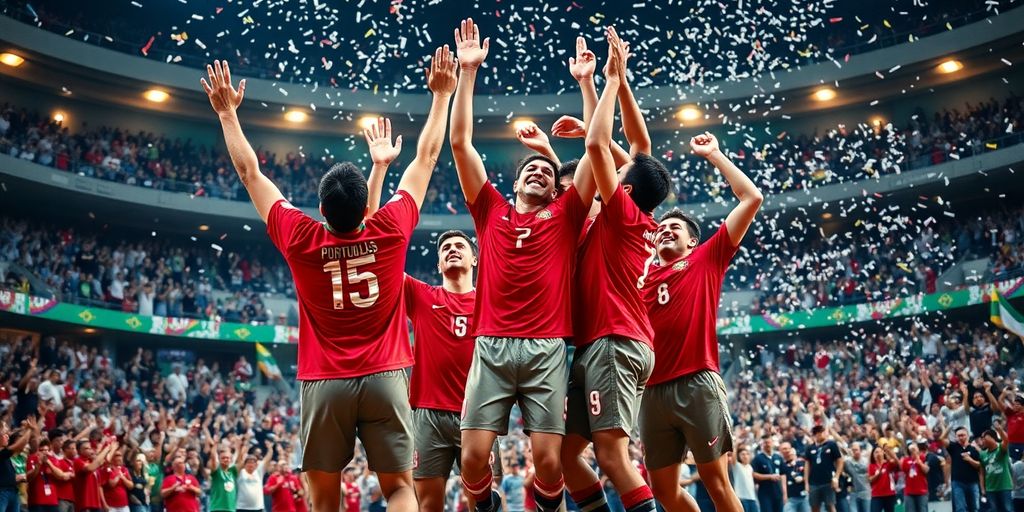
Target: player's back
[(349, 287)]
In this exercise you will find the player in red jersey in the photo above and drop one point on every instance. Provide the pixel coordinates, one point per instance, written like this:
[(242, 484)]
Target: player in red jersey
[(523, 308), (348, 273), (441, 325), (684, 405), (613, 337)]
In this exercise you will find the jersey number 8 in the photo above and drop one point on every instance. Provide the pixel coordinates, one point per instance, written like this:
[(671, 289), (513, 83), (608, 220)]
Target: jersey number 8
[(354, 277)]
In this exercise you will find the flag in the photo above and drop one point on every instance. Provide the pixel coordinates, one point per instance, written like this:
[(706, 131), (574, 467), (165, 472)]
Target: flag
[(266, 363), (1003, 315)]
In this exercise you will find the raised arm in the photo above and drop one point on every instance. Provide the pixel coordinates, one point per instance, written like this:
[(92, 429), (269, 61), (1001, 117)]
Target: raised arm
[(599, 134), (225, 99), (740, 218), (468, 163), (242, 450), (568, 127), (535, 139), (441, 81), (382, 153), (633, 124)]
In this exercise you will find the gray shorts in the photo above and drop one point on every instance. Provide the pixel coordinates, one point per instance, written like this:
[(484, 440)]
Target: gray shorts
[(821, 494), (439, 444), (606, 385), (530, 371), (690, 412), (373, 407)]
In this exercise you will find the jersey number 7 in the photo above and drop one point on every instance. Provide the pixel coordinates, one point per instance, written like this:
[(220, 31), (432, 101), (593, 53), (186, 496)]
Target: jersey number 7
[(353, 277)]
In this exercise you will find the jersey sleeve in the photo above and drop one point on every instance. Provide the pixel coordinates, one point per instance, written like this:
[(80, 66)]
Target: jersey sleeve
[(720, 249), (488, 199), (414, 290), (575, 207), (285, 224), (400, 213)]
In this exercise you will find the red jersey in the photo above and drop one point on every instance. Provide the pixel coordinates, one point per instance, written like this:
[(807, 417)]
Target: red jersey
[(300, 501), (526, 265), (885, 484), (612, 259), (1014, 426), (65, 488), (116, 495), (349, 286), (87, 485), (281, 499), (184, 500), (352, 497), (41, 489), (682, 304), (916, 483), (443, 344)]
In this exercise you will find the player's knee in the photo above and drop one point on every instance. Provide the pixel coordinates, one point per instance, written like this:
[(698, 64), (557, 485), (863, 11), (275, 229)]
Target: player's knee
[(611, 461), (664, 492), (717, 485), (475, 457), (547, 461)]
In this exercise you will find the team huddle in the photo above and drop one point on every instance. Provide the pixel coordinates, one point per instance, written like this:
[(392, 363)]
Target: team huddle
[(576, 257)]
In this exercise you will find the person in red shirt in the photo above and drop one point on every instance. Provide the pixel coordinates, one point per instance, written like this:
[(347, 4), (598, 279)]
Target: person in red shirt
[(882, 474), (116, 481), (298, 487), (613, 336), (1011, 405), (88, 495), (915, 467), (42, 475), (280, 488), (441, 325), (350, 490), (180, 490), (348, 273), (523, 311), (64, 481), (685, 405)]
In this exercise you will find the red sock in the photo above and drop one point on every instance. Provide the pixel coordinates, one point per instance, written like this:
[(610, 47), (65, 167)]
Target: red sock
[(583, 494), (480, 491), (636, 496)]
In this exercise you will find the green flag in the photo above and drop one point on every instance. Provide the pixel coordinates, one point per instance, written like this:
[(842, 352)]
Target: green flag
[(1003, 315), (266, 362)]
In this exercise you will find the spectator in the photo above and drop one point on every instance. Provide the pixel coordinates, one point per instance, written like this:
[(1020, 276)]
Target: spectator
[(882, 474), (743, 480), (824, 464), (857, 469), (116, 482), (794, 469), (767, 467), (250, 482), (995, 464), (138, 495), (512, 490), (1013, 410), (915, 470), (181, 490), (964, 472)]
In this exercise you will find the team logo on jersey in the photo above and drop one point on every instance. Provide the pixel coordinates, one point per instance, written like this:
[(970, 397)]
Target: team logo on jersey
[(544, 214), (681, 265)]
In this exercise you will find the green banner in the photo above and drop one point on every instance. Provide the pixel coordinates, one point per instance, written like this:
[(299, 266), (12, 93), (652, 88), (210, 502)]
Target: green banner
[(100, 318)]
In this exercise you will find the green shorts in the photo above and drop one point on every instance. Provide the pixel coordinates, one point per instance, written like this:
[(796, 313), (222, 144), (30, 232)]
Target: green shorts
[(373, 407), (530, 371), (439, 444), (606, 385), (690, 412)]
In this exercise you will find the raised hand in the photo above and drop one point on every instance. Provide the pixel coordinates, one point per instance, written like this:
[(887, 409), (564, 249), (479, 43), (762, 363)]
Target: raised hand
[(568, 127), (441, 76), (467, 43), (378, 139), (613, 67), (621, 47), (533, 137), (224, 98), (704, 144), (583, 65)]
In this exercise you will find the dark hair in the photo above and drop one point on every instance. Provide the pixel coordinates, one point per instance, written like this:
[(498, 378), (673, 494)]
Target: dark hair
[(650, 180), (536, 156), (568, 168), (691, 225), (455, 233), (817, 429), (66, 444), (343, 196), (958, 429), (54, 434), (991, 433), (44, 442), (82, 443)]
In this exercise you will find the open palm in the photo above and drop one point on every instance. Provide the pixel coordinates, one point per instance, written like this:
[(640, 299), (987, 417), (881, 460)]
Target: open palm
[(470, 51), (223, 97), (378, 138)]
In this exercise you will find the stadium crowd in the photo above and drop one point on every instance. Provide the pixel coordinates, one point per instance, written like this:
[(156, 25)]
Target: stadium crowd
[(155, 431)]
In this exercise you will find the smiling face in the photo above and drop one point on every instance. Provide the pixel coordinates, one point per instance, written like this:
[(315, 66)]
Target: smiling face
[(455, 253), (536, 182), (673, 239)]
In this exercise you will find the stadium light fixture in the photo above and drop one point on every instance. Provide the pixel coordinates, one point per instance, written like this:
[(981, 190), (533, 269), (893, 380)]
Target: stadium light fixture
[(826, 216), (58, 117), (824, 94), (89, 330), (950, 66), (367, 122), (295, 116), (11, 59), (521, 123), (689, 113), (156, 95), (204, 227)]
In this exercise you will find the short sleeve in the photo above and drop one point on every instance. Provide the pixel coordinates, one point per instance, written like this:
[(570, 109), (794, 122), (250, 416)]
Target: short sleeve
[(283, 223), (413, 289), (575, 207), (488, 199), (719, 248), (621, 208), (399, 213)]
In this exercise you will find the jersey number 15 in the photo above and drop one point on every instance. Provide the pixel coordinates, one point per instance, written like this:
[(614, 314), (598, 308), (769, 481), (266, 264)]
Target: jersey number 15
[(353, 277)]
